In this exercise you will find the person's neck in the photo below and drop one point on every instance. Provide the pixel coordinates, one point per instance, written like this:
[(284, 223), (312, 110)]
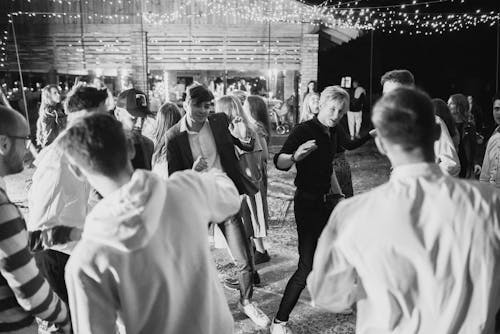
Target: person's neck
[(193, 125), (399, 157), (106, 185)]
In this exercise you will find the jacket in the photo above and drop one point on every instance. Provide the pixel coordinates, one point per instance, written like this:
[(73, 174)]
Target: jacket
[(144, 261), (180, 156), (490, 172)]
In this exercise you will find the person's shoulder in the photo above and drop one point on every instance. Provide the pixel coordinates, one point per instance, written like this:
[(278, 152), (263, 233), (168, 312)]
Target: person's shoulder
[(217, 116), (88, 257), (174, 131)]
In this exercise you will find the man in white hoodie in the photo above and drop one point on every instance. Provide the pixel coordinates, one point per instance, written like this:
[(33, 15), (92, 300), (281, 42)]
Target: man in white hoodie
[(142, 261)]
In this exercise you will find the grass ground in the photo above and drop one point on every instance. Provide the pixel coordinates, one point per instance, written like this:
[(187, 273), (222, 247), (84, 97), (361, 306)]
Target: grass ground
[(369, 169)]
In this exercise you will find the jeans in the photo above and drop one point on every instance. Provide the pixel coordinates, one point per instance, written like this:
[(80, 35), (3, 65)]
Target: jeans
[(239, 246), (51, 264), (311, 216), (354, 119)]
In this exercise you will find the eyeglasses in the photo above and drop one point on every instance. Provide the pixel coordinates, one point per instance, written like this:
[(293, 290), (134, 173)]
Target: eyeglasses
[(26, 138)]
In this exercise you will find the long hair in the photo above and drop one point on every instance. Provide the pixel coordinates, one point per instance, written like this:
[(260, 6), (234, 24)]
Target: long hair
[(315, 89), (168, 115), (46, 99), (462, 107), (306, 107), (258, 110), (441, 109), (231, 106)]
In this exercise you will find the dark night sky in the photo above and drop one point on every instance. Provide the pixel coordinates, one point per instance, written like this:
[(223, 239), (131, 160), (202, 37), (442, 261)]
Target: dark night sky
[(445, 64)]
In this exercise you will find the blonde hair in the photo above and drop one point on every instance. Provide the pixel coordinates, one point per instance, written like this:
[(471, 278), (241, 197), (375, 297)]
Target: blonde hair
[(306, 113), (335, 93), (231, 106)]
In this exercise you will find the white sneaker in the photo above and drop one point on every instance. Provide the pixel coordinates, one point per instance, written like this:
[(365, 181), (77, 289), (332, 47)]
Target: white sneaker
[(255, 314), (280, 328)]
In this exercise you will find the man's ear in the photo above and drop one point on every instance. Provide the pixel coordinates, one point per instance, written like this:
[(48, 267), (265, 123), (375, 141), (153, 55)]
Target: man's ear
[(5, 145), (437, 132), (380, 146), (77, 172), (130, 148)]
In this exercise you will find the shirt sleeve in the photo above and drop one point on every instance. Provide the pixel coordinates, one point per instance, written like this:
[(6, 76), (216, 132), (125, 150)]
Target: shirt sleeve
[(345, 141), (332, 282), (446, 154), (92, 306), (296, 138), (18, 268), (491, 156)]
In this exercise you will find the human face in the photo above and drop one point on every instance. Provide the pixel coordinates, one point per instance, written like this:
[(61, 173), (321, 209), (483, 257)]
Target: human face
[(14, 157), (496, 111), (454, 111), (314, 104), (389, 86), (198, 113), (55, 97), (310, 86), (331, 113), (129, 121)]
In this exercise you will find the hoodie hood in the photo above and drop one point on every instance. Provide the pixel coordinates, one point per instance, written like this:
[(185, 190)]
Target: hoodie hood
[(128, 218)]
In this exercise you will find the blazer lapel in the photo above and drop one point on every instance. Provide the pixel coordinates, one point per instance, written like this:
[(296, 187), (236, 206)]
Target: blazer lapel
[(185, 148)]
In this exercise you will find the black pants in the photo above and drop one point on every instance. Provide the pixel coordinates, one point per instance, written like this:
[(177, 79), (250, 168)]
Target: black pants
[(51, 264), (311, 216)]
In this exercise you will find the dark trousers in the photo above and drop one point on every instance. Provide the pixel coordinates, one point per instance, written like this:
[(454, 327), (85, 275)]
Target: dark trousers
[(51, 264), (311, 216), (238, 242)]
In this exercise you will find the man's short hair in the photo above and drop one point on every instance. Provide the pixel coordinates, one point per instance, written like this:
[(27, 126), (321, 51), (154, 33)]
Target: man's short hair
[(335, 93), (97, 142), (403, 77), (84, 98), (495, 97), (406, 117), (10, 121), (198, 93)]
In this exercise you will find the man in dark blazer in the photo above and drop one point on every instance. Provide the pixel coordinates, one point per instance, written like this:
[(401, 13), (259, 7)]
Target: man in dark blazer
[(202, 141)]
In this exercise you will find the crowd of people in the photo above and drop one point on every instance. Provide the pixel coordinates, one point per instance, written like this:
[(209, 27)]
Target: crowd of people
[(116, 234)]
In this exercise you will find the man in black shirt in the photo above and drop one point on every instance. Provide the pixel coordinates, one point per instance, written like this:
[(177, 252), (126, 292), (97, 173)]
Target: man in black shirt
[(131, 110), (311, 146)]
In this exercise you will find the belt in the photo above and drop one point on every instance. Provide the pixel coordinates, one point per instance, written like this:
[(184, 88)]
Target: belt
[(324, 197)]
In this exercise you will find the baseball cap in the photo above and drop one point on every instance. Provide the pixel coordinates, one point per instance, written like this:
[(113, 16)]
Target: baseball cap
[(134, 101)]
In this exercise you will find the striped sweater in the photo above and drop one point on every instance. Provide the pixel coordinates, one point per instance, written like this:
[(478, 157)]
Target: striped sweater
[(24, 293)]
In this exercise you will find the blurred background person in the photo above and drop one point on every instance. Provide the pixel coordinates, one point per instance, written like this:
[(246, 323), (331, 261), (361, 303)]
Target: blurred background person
[(168, 115), (459, 108), (441, 109), (310, 107), (355, 114), (51, 117)]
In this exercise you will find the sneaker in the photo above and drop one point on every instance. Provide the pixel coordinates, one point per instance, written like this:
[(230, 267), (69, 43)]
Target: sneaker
[(234, 284), (280, 328), (255, 314), (261, 257)]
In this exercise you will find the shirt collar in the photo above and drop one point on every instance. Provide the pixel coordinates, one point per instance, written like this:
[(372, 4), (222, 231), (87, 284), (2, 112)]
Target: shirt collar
[(323, 127), (416, 170), (184, 127)]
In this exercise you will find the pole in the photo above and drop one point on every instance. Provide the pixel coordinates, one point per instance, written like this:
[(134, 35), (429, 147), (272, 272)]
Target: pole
[(84, 60), (498, 54), (20, 72), (371, 69)]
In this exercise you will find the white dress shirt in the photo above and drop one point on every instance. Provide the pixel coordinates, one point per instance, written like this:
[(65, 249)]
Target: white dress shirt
[(202, 143), (56, 196), (444, 149), (490, 172), (419, 254)]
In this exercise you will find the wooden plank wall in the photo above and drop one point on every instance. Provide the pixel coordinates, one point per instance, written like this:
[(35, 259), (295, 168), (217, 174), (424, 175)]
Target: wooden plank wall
[(191, 42)]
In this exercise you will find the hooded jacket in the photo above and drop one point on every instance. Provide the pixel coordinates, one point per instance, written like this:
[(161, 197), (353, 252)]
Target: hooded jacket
[(144, 258)]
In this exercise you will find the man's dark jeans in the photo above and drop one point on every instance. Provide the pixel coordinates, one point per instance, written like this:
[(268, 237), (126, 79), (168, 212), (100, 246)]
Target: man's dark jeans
[(51, 264), (311, 216)]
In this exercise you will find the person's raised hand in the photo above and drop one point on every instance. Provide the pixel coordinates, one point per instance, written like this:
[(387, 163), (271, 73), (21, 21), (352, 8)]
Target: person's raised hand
[(200, 164), (305, 149), (477, 170)]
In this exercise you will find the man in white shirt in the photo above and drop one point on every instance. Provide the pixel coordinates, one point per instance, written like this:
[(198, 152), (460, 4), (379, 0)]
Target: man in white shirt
[(56, 197), (444, 149), (419, 254)]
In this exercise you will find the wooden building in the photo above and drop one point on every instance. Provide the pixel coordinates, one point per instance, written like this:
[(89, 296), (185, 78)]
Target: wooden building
[(171, 40)]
